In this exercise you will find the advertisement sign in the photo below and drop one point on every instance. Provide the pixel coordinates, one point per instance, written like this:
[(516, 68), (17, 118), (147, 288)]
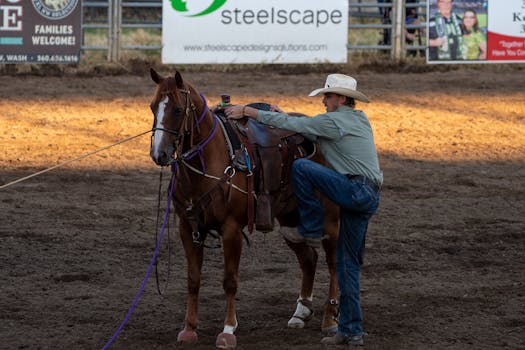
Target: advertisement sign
[(40, 31), (250, 31), (476, 31), (506, 30)]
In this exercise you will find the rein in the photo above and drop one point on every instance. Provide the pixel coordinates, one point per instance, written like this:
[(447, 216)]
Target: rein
[(166, 224), (198, 148), (152, 263), (196, 206)]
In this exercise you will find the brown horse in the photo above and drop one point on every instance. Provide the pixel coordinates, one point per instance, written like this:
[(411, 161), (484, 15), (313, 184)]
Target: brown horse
[(210, 195)]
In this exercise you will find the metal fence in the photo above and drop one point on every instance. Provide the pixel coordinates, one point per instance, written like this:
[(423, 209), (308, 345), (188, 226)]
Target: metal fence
[(388, 20)]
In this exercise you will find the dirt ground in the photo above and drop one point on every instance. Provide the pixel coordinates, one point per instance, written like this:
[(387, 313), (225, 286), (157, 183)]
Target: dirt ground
[(445, 263)]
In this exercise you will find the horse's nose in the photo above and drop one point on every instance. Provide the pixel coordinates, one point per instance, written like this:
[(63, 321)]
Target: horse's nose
[(160, 158)]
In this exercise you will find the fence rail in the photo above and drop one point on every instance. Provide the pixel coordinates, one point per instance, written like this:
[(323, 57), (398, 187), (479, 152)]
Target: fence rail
[(386, 18)]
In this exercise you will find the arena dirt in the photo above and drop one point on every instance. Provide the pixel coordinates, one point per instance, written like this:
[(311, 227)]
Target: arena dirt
[(445, 254)]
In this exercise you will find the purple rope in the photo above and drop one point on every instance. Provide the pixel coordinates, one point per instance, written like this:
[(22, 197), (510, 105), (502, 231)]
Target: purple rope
[(200, 147), (145, 280), (204, 110)]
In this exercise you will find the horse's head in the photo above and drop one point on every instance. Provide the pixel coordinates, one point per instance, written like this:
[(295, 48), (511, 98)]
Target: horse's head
[(170, 107)]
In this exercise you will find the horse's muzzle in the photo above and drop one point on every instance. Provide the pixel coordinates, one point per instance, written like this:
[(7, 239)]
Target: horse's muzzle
[(161, 158)]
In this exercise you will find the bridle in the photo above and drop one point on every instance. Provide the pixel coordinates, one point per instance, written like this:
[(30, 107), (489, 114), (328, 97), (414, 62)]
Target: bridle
[(189, 106), (187, 126)]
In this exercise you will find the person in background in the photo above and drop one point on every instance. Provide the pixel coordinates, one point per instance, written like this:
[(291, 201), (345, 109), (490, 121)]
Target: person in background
[(352, 179), (412, 18), (474, 40), (445, 34)]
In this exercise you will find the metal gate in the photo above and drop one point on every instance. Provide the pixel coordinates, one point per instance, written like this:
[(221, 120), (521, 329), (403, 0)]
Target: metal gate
[(376, 16)]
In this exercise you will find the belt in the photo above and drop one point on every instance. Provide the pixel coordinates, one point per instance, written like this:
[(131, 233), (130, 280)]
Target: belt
[(365, 180)]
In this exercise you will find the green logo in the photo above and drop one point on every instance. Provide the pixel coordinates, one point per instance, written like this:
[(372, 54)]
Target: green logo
[(180, 6)]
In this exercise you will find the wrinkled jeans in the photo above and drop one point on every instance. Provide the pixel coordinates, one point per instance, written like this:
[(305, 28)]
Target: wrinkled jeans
[(358, 201)]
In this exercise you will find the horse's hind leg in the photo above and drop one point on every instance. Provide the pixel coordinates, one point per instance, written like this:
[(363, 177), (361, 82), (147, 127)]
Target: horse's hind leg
[(232, 245), (307, 258), (194, 257), (331, 308), (331, 231)]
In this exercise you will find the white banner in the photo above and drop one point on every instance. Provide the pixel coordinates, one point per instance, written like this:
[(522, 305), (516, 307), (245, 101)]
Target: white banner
[(254, 31), (506, 31)]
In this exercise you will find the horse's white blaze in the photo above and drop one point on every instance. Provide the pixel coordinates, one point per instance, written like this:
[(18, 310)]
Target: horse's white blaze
[(157, 136)]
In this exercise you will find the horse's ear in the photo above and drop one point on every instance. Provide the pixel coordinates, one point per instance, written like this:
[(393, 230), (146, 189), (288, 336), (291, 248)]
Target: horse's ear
[(155, 76), (178, 80)]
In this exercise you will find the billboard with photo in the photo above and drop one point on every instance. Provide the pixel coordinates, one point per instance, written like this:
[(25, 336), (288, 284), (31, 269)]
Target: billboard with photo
[(476, 31), (250, 31), (40, 31)]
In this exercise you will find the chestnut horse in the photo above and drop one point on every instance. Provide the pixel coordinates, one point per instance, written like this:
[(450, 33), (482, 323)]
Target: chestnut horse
[(209, 195)]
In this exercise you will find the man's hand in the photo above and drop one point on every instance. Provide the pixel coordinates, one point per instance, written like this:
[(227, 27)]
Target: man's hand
[(235, 112), (216, 107), (276, 108)]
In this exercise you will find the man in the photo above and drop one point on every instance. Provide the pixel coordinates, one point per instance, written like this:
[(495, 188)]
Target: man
[(444, 33), (352, 179)]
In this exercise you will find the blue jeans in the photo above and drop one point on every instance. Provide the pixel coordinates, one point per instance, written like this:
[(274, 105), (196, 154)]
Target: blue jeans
[(358, 201)]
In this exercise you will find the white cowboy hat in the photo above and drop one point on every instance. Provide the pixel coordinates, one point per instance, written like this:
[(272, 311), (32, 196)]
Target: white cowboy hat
[(342, 85)]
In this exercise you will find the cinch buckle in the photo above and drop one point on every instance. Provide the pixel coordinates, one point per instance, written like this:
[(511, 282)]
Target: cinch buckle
[(229, 171)]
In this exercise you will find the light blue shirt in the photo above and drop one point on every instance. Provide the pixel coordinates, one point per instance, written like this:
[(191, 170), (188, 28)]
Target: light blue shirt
[(345, 138)]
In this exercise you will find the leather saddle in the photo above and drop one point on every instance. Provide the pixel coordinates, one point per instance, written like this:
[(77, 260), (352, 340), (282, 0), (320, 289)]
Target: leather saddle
[(272, 152)]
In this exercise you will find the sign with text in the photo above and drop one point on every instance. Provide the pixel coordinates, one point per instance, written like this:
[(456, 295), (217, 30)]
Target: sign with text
[(40, 31), (506, 30), (254, 31), (476, 31)]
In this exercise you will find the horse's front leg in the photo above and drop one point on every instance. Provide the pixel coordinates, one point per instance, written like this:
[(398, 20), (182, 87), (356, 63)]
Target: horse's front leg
[(194, 258), (232, 243)]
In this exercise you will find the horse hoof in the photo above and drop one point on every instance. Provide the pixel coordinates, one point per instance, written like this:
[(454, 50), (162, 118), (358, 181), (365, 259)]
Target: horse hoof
[(329, 330), (187, 336), (226, 341), (303, 313), (295, 322)]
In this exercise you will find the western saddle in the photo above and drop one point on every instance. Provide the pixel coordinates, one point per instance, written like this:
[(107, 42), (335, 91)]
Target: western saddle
[(266, 155)]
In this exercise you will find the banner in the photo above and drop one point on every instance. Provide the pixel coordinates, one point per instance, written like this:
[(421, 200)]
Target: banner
[(254, 31), (40, 31), (506, 30), (476, 31)]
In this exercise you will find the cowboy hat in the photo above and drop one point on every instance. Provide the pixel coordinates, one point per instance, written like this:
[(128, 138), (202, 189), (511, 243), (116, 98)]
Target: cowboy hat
[(342, 85)]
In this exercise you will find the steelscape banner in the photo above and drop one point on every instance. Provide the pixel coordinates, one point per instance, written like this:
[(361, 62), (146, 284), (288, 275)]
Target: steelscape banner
[(254, 31), (476, 31), (40, 31)]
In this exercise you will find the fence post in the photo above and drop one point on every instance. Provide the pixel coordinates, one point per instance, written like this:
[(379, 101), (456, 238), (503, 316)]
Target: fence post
[(114, 30), (398, 35)]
